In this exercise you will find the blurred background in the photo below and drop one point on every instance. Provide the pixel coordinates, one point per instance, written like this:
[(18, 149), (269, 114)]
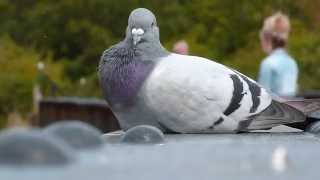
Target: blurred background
[(52, 48)]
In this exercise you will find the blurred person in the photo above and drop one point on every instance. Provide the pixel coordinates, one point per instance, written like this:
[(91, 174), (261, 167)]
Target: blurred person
[(181, 47), (44, 83), (279, 71)]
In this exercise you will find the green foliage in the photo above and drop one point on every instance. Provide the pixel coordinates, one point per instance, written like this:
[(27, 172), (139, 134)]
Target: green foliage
[(305, 47), (18, 74), (15, 79)]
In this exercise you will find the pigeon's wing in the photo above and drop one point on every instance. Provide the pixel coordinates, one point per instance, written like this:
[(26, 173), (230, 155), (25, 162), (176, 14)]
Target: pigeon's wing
[(193, 94), (277, 113)]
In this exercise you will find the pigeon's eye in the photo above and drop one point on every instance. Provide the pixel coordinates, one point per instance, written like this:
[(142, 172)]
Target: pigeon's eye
[(152, 24)]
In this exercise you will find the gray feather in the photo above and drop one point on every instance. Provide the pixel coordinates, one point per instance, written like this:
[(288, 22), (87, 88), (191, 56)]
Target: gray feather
[(276, 114)]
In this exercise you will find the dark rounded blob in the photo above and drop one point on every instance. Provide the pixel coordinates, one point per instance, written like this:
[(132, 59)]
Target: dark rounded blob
[(143, 134), (314, 128), (77, 134), (29, 147)]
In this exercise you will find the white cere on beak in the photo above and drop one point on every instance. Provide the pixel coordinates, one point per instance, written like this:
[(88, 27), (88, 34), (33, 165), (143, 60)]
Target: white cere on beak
[(138, 31)]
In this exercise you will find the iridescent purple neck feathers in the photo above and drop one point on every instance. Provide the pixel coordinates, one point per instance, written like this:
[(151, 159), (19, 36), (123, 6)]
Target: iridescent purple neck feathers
[(122, 72)]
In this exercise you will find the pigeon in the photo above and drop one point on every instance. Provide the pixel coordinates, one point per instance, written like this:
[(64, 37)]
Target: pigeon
[(145, 84)]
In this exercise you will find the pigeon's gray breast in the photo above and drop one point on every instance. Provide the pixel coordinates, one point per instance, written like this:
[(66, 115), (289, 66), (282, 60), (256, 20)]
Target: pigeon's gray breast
[(122, 72)]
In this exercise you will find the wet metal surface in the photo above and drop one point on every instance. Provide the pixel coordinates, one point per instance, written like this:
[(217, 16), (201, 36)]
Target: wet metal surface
[(259, 155)]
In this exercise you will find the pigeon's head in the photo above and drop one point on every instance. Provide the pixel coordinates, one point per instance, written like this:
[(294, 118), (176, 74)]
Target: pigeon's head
[(142, 26)]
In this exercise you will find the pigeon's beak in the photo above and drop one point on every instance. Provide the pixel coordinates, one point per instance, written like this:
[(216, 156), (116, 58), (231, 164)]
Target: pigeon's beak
[(136, 39), (136, 35)]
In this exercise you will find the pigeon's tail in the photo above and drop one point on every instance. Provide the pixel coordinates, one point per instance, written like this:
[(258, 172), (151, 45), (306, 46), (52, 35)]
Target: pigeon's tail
[(277, 113), (310, 108)]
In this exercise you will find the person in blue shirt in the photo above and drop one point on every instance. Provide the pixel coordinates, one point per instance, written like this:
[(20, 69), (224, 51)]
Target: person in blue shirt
[(279, 71)]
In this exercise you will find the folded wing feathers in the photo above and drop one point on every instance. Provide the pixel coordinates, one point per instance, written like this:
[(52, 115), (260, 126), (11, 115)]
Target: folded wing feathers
[(276, 114)]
